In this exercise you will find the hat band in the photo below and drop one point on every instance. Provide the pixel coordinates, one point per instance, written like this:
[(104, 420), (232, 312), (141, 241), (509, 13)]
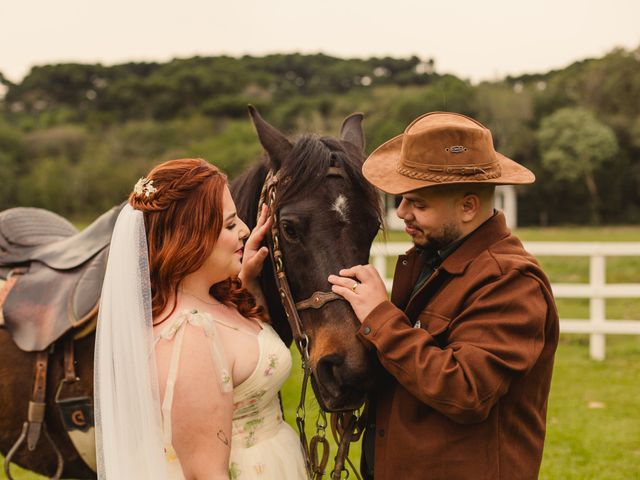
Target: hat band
[(448, 173)]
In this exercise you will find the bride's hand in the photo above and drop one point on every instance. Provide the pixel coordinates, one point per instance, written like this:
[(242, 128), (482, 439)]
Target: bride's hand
[(255, 254)]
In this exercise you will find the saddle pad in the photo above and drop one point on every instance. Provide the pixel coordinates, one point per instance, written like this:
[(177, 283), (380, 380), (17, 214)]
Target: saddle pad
[(45, 303)]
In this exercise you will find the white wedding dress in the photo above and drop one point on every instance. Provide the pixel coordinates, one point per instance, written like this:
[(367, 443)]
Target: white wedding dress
[(263, 446)]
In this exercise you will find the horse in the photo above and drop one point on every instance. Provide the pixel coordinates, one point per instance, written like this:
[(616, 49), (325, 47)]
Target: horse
[(327, 222), (327, 217)]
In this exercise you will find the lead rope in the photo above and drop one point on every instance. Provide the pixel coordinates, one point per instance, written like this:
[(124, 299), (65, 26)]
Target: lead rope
[(347, 427)]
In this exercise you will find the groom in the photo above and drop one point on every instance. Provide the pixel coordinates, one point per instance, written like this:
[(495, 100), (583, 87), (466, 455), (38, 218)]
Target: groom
[(469, 336)]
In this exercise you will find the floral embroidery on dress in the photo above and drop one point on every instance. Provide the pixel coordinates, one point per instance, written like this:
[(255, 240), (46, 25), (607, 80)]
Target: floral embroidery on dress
[(234, 471), (249, 406), (250, 427), (273, 364)]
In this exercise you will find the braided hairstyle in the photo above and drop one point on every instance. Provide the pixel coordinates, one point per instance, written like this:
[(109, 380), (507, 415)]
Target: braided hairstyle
[(182, 205)]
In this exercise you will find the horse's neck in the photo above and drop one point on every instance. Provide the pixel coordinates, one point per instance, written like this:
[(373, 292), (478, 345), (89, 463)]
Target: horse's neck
[(246, 191)]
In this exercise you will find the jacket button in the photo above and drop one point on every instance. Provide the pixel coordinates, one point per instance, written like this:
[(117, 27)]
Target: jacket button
[(366, 330), (381, 432)]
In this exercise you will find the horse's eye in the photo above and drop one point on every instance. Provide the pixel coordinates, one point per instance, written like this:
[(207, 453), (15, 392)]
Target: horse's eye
[(289, 230)]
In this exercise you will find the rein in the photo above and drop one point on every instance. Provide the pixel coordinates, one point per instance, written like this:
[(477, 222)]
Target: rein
[(346, 426)]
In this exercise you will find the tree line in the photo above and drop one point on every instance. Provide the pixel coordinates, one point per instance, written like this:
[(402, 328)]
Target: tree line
[(75, 137)]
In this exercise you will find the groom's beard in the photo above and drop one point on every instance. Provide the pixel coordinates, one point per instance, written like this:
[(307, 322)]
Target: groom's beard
[(439, 239)]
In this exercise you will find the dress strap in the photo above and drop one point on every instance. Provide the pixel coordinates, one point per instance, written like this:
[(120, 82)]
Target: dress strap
[(167, 402), (175, 330)]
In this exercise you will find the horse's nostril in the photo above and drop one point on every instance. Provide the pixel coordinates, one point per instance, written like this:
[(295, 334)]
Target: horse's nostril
[(328, 371)]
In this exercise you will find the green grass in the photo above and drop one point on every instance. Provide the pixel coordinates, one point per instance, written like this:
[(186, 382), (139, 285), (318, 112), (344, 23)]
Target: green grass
[(583, 442), (594, 413)]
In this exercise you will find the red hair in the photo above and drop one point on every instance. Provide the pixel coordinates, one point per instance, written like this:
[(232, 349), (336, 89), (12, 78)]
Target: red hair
[(183, 219)]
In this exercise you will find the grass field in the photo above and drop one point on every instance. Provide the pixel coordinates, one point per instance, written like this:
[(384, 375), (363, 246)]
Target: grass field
[(593, 424)]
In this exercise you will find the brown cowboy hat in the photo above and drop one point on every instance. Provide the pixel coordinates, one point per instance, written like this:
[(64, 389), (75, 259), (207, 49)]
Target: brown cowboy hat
[(441, 148)]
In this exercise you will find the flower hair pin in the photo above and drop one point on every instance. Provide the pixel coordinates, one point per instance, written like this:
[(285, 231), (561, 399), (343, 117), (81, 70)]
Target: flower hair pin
[(144, 186)]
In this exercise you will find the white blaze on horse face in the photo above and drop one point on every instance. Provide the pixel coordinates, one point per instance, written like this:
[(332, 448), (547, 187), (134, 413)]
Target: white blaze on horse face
[(341, 208)]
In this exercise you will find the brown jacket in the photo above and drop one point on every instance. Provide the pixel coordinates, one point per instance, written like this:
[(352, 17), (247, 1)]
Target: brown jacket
[(467, 396)]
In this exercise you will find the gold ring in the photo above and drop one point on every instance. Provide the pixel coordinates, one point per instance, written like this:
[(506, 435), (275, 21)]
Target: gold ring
[(354, 286)]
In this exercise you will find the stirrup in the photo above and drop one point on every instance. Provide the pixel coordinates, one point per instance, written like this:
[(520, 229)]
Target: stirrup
[(21, 439)]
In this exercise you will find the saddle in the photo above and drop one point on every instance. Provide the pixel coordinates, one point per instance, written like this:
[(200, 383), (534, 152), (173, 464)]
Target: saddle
[(54, 279), (56, 276)]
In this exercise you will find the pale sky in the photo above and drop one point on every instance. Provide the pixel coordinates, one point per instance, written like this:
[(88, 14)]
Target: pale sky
[(473, 39)]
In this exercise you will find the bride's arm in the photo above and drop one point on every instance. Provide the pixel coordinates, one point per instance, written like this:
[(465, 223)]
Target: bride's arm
[(202, 413)]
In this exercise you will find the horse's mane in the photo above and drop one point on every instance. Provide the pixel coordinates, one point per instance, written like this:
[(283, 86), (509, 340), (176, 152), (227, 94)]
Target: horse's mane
[(308, 163), (305, 169)]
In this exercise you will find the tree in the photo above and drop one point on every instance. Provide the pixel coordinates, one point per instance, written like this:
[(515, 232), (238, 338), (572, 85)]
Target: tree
[(574, 144), (11, 153)]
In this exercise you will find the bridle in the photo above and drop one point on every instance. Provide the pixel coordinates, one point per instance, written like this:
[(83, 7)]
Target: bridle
[(346, 426), (318, 299)]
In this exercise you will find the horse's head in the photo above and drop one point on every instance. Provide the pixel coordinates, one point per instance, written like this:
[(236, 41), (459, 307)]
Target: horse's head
[(327, 217)]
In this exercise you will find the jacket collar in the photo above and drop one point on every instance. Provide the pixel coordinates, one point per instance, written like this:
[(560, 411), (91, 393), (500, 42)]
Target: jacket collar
[(478, 241), (410, 264), (493, 230)]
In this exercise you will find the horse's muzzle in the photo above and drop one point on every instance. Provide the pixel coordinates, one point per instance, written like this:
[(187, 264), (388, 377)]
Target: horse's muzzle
[(338, 385)]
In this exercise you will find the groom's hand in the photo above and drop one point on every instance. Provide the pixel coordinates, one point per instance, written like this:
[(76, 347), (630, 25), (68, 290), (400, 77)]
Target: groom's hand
[(362, 287)]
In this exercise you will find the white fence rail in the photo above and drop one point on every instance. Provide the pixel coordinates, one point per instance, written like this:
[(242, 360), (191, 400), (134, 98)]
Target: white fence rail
[(597, 290)]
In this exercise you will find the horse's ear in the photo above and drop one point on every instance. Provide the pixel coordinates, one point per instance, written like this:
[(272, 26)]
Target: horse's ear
[(271, 139), (352, 131)]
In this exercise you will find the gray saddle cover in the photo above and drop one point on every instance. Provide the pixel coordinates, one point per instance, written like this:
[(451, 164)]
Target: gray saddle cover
[(24, 227), (61, 287), (26, 235)]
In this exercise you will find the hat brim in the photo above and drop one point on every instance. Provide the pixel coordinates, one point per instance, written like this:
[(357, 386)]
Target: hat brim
[(380, 170)]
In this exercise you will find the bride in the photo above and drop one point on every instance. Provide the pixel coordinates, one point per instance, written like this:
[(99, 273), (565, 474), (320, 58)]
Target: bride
[(188, 368)]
